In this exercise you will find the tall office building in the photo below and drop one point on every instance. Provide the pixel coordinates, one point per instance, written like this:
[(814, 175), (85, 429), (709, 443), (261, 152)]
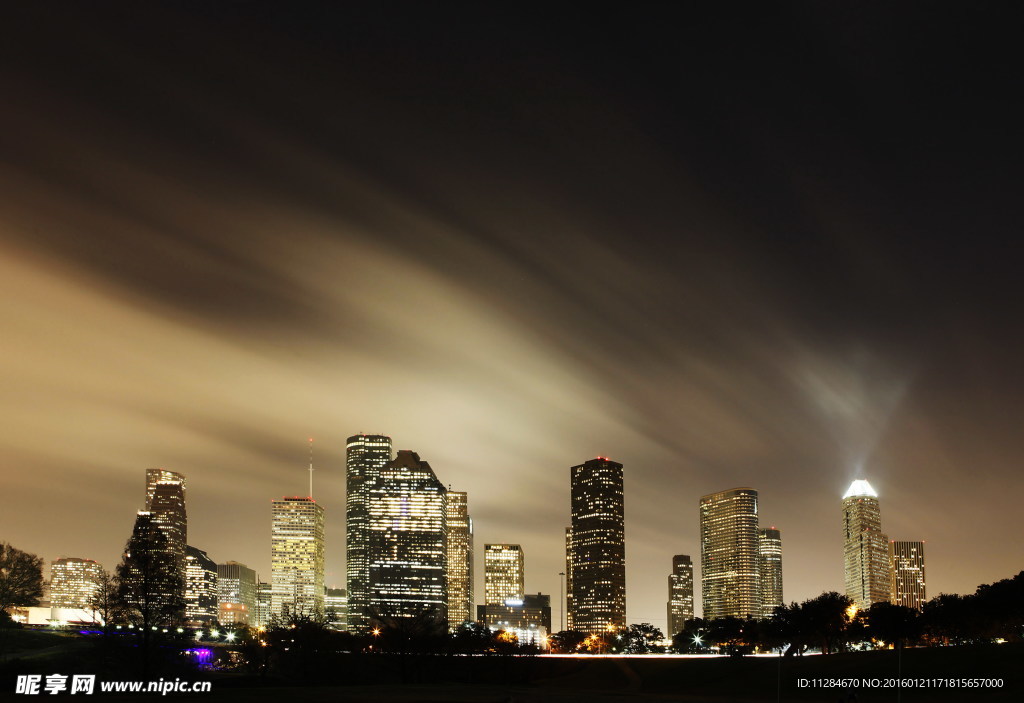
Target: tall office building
[(504, 577), (680, 594), (165, 502), (297, 558), (730, 580), (153, 580), (407, 549), (200, 587), (460, 560), (865, 549), (770, 566), (906, 572), (74, 582), (365, 456), (596, 547)]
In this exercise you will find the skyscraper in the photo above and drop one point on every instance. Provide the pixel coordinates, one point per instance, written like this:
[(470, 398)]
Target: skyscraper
[(365, 456), (460, 560), (906, 571), (865, 549), (154, 585), (165, 502), (770, 566), (336, 608), (730, 580), (74, 582), (504, 577), (297, 558), (200, 587), (680, 594), (407, 549), (596, 552)]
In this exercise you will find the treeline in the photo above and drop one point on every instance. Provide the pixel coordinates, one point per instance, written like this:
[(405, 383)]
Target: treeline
[(830, 623)]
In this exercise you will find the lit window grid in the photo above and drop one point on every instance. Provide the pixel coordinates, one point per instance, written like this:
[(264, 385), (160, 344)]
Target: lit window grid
[(74, 582), (730, 577), (297, 557), (596, 583), (865, 552)]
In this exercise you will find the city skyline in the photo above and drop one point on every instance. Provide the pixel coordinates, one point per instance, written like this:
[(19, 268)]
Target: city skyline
[(768, 251)]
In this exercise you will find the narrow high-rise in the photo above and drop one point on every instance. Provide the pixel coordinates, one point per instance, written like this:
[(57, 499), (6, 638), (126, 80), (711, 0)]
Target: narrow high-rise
[(906, 572), (596, 547), (165, 502), (200, 588), (729, 553), (297, 558), (407, 547), (365, 456), (770, 568), (460, 560), (680, 594), (504, 574), (865, 548)]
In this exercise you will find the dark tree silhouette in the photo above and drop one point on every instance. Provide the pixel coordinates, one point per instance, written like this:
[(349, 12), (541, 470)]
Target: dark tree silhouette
[(642, 638), (21, 577)]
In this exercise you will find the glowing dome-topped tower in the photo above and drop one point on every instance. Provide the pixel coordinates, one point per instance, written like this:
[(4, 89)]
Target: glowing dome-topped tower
[(866, 548)]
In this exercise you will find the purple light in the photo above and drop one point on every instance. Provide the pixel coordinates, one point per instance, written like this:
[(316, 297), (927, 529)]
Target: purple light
[(202, 654)]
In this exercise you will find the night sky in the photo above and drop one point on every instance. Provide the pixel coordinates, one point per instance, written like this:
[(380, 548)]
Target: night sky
[(774, 247)]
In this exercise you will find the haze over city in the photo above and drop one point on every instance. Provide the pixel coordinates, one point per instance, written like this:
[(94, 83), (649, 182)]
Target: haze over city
[(773, 253)]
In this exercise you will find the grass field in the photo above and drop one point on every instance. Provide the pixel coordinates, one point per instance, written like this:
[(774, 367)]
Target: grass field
[(436, 679)]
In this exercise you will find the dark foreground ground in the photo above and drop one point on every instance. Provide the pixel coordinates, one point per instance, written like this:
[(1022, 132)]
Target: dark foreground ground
[(438, 679)]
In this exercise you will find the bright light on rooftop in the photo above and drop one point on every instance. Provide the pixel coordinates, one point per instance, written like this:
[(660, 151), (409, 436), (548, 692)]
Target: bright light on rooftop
[(860, 487)]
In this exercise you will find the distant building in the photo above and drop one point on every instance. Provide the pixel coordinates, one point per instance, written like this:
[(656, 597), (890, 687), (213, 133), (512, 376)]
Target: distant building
[(729, 553), (236, 593), (680, 594), (770, 568), (407, 546), (528, 618), (365, 456), (596, 547), (234, 615), (74, 582), (865, 547), (504, 577), (460, 560), (200, 588), (336, 608), (264, 595), (297, 558), (906, 571)]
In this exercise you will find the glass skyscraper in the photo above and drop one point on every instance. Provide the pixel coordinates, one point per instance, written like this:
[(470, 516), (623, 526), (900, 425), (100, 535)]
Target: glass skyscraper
[(460, 560), (297, 558), (365, 456), (906, 571), (504, 577), (770, 567), (865, 548), (407, 545), (680, 594), (74, 582), (596, 547), (729, 554)]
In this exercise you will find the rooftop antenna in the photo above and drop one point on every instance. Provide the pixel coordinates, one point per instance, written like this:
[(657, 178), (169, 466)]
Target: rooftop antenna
[(310, 467)]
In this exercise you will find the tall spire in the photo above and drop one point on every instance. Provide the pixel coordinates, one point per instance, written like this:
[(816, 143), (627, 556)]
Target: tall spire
[(310, 467)]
